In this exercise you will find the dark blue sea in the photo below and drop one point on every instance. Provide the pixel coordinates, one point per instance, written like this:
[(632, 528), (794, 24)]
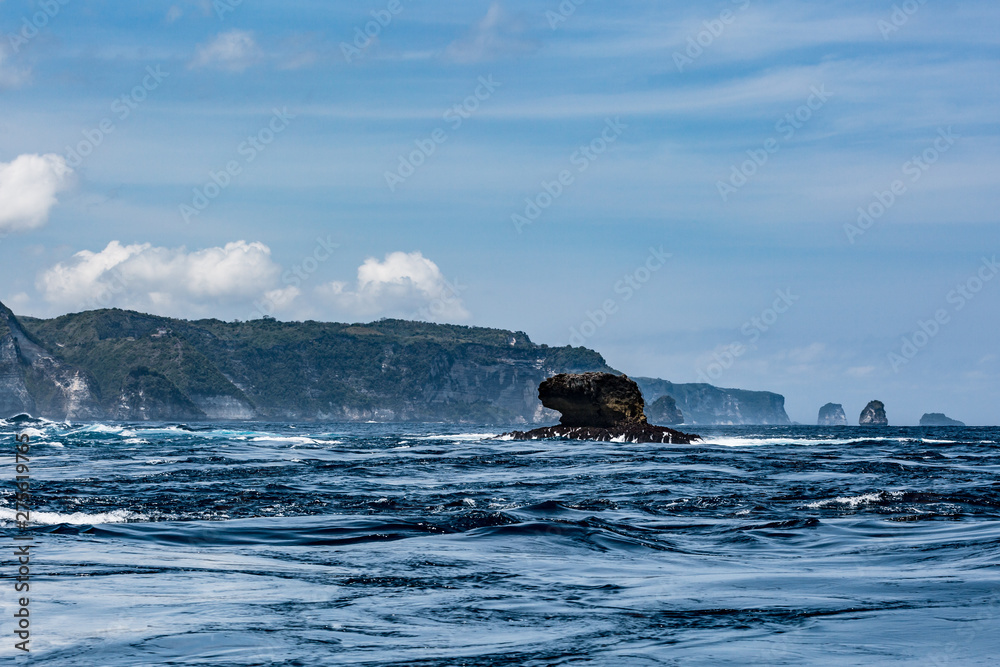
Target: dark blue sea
[(421, 545)]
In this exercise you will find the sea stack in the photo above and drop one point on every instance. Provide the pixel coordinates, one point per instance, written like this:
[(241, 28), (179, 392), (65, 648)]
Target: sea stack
[(874, 415), (598, 406), (665, 411), (832, 414), (938, 419)]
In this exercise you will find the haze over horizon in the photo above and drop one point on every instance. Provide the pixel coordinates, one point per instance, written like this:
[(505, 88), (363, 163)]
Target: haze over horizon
[(675, 187)]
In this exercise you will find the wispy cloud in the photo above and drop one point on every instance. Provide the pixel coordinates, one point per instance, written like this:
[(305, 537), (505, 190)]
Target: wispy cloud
[(235, 50), (497, 35), (11, 76)]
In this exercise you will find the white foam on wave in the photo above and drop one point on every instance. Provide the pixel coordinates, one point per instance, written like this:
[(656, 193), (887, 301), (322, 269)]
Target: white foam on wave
[(735, 441), (101, 428), (8, 515), (459, 437), (939, 442), (857, 501), (295, 440), (32, 433)]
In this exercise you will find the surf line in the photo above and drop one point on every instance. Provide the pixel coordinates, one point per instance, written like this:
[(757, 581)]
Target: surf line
[(22, 546)]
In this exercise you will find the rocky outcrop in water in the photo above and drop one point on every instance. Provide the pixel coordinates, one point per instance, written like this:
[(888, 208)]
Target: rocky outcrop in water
[(874, 415), (938, 419), (598, 406), (664, 410), (832, 414), (600, 400)]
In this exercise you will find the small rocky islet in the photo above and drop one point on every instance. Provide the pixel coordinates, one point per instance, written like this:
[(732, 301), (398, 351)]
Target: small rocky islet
[(599, 406)]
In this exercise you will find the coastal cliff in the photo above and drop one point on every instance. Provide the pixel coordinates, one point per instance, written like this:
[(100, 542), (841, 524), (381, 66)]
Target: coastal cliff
[(705, 404), (117, 364)]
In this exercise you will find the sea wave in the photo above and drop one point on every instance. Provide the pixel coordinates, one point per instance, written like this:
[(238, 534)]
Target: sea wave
[(8, 516), (874, 498)]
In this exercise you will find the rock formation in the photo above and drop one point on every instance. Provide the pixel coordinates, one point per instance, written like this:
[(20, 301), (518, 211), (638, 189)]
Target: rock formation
[(665, 411), (601, 400), (832, 414), (874, 415), (938, 419), (598, 406)]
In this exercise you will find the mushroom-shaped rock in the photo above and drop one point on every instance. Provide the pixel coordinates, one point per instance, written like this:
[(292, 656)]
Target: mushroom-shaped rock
[(601, 407), (600, 400)]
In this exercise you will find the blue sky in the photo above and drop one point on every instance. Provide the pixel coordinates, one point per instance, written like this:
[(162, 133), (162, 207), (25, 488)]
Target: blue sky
[(713, 156)]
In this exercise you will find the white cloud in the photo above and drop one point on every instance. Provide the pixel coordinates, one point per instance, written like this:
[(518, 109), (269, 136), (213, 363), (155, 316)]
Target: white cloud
[(173, 14), (406, 285), (165, 281), (234, 50), (497, 35), (28, 188)]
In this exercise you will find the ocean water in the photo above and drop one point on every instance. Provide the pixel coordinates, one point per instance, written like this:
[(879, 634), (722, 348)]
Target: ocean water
[(415, 544)]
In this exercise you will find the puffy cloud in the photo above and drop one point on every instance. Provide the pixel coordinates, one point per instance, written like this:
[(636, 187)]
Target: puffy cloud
[(166, 281), (28, 188), (234, 50), (406, 285), (497, 35)]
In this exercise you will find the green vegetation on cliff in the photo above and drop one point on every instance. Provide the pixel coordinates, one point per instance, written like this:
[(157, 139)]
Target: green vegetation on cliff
[(390, 369)]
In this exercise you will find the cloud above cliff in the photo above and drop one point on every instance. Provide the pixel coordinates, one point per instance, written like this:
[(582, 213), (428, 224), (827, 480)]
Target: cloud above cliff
[(402, 285), (164, 281), (28, 188)]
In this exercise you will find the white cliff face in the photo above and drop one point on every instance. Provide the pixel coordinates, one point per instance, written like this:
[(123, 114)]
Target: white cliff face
[(24, 363)]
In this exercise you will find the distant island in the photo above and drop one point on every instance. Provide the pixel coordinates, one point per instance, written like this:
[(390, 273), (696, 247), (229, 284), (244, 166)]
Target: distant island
[(938, 419), (130, 366)]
